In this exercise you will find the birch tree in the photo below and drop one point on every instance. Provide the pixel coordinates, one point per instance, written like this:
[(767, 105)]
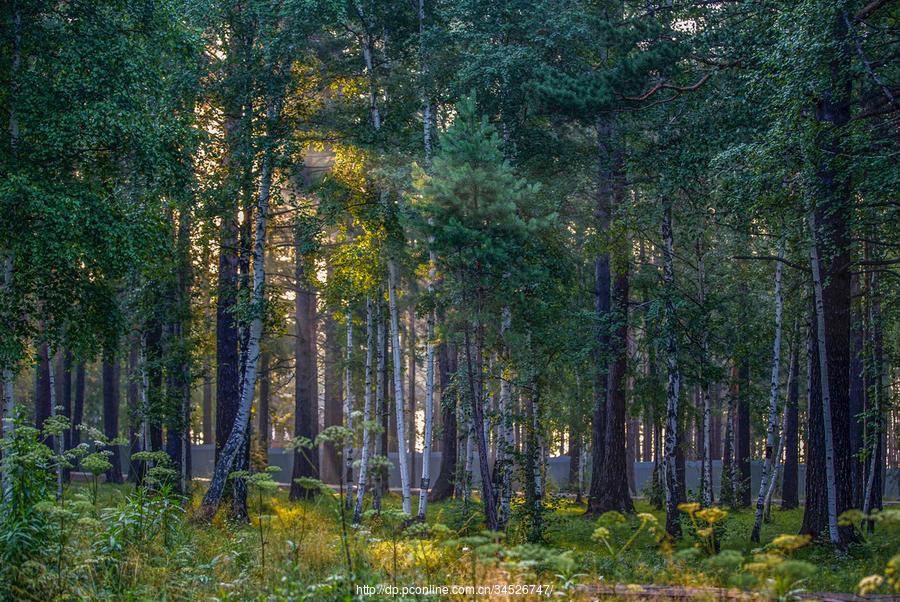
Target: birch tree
[(673, 526), (774, 384)]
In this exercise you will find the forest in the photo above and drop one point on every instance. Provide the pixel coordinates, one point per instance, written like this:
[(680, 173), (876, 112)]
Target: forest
[(450, 300)]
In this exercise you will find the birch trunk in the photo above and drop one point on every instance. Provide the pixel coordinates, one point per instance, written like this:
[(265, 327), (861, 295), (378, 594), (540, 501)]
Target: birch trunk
[(791, 430), (367, 414), (830, 483), (425, 483), (773, 482), (773, 404), (349, 452), (393, 278), (673, 526), (237, 437), (380, 411), (411, 383)]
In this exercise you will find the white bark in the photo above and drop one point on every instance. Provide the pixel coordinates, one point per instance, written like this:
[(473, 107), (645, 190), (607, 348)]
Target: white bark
[(380, 410), (773, 403), (429, 394), (393, 277), (674, 378), (776, 471), (367, 414), (830, 483), (348, 406)]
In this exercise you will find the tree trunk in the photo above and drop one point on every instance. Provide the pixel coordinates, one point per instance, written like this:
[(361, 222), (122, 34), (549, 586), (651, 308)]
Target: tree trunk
[(446, 479), (772, 424), (504, 463), (825, 381), (133, 400), (673, 524), (790, 482), (727, 487), (367, 414), (476, 391), (429, 390), (227, 356), (411, 383), (815, 507), (348, 406), (613, 471), (742, 435), (207, 426), (265, 383), (575, 467), (706, 493), (43, 405), (381, 413), (238, 437), (111, 413), (393, 280), (78, 405), (602, 305), (306, 399), (874, 490), (856, 393), (331, 467)]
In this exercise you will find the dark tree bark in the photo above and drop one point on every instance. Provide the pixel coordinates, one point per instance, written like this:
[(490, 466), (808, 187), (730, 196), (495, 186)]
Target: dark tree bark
[(263, 409), (602, 306), (207, 426), (856, 394), (615, 494), (575, 464), (227, 336), (78, 405), (42, 409), (65, 395), (790, 482), (444, 485), (815, 509), (333, 381), (306, 412), (742, 434), (111, 414), (133, 401)]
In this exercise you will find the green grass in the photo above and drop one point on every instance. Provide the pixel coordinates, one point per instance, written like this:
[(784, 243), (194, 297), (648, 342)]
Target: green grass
[(305, 557)]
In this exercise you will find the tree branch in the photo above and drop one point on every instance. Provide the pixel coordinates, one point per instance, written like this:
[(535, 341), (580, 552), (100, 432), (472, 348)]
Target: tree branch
[(666, 86)]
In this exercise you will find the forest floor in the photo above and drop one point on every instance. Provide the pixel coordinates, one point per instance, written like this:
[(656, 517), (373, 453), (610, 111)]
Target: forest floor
[(127, 546)]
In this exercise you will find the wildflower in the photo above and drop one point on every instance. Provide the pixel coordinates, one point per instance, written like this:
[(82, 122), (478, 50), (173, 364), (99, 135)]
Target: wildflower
[(690, 508), (648, 518), (869, 584), (789, 543), (712, 515), (600, 533)]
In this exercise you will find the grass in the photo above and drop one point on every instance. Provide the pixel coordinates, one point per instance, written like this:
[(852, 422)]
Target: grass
[(305, 558)]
